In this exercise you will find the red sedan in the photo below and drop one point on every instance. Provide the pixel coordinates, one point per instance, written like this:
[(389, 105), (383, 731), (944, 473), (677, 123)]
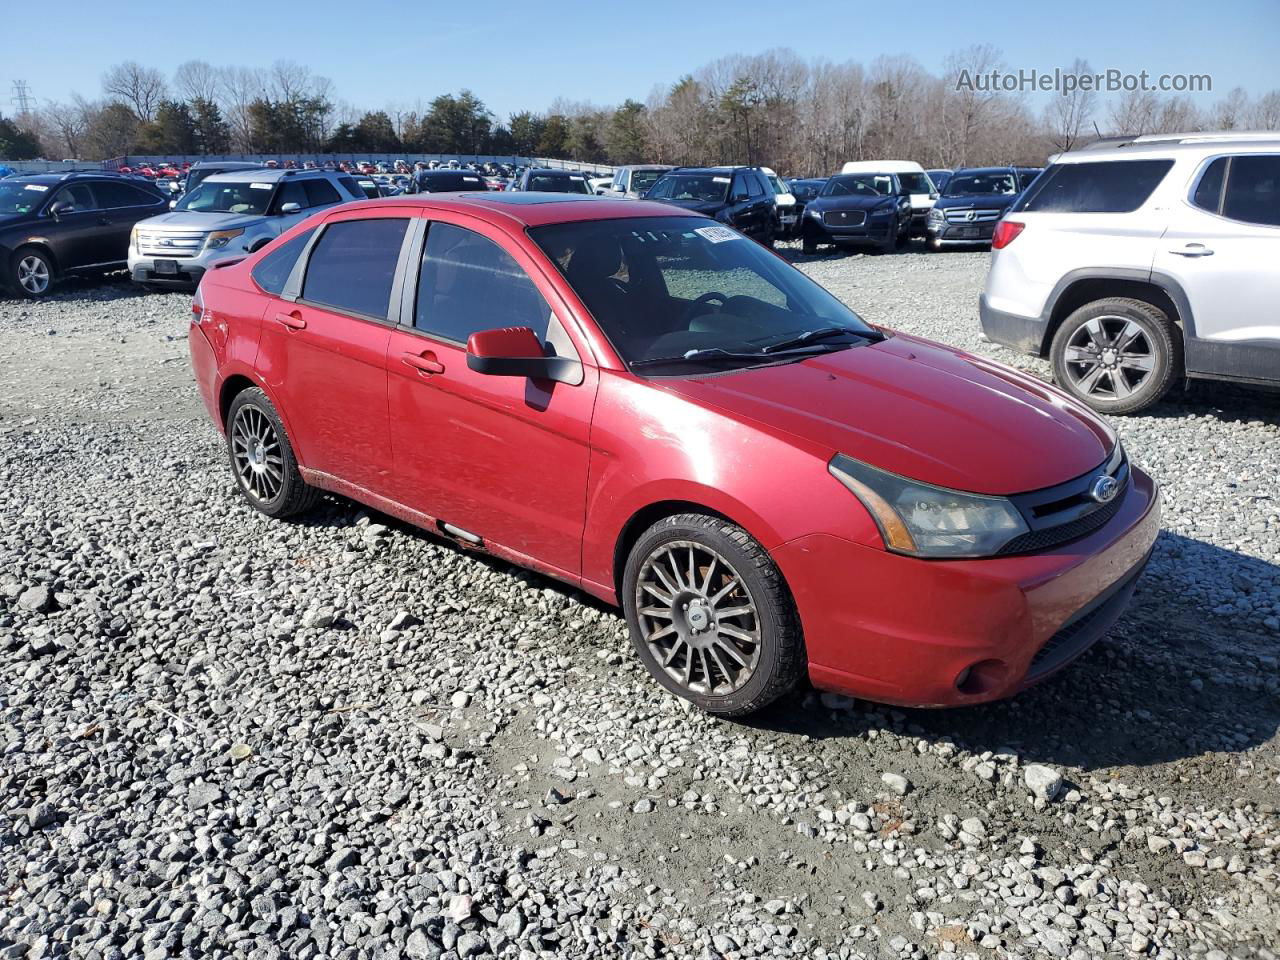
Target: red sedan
[(650, 407)]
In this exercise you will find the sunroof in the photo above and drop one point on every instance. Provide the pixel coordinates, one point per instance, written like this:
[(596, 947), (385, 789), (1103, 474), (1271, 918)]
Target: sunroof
[(529, 196)]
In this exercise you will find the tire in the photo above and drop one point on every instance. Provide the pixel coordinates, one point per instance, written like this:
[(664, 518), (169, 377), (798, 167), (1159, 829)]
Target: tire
[(770, 238), (895, 237), (271, 482), (808, 245), (1117, 355), (31, 273), (674, 615)]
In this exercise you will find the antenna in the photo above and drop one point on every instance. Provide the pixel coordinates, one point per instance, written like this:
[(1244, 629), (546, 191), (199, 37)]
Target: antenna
[(21, 97)]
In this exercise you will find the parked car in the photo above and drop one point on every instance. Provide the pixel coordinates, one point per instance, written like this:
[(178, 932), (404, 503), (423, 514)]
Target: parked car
[(742, 197), (58, 225), (597, 184), (1136, 264), (857, 210), (699, 442), (967, 210), (229, 215), (446, 181), (1027, 176), (785, 209), (634, 180), (913, 178), (939, 179), (805, 189), (547, 180)]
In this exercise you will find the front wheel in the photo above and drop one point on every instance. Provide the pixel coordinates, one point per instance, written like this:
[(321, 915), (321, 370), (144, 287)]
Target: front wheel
[(808, 245), (894, 239), (710, 615), (31, 274), (262, 458), (1117, 355)]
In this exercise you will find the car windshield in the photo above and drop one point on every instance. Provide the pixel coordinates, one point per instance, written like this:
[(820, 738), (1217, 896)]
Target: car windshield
[(554, 183), (979, 184), (859, 184), (17, 198), (702, 187), (778, 186), (662, 288), (642, 180), (916, 182), (221, 196)]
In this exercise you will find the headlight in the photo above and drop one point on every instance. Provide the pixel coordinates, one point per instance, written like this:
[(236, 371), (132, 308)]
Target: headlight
[(882, 211), (935, 215), (133, 238), (220, 238), (928, 521)]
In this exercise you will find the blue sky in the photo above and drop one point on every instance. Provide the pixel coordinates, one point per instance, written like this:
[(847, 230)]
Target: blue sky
[(518, 55)]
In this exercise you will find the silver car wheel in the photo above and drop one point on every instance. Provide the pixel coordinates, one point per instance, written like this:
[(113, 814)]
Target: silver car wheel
[(1109, 357), (33, 274), (255, 448)]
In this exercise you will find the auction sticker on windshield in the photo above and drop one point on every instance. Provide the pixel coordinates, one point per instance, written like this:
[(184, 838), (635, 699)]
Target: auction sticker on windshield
[(260, 186), (717, 234), (37, 187)]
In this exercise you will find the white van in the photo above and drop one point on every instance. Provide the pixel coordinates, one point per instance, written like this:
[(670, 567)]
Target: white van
[(913, 178)]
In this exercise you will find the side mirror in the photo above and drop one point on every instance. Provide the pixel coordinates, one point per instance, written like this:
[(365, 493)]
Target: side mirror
[(517, 352), (288, 208), (61, 207), (173, 204), (739, 197)]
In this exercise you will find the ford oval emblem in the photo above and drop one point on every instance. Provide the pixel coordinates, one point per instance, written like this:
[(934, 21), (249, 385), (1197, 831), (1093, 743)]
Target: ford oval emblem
[(1104, 489)]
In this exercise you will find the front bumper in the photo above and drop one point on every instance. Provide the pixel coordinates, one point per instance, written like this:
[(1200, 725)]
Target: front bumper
[(184, 274), (870, 231), (938, 633), (961, 234)]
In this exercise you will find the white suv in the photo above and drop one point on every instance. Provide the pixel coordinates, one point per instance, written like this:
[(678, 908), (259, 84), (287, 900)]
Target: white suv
[(1134, 263)]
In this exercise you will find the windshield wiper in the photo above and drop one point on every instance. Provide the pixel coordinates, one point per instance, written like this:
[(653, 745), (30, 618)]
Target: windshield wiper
[(719, 353), (822, 333)]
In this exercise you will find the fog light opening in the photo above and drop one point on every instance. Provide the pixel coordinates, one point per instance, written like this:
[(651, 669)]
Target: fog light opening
[(981, 677)]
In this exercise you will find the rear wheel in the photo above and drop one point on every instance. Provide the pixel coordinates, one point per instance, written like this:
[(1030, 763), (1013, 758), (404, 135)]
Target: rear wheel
[(710, 615), (262, 459), (1118, 355), (31, 273)]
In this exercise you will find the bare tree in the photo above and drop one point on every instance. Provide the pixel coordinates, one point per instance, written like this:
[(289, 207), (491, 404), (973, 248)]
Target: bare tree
[(198, 80), (65, 124), (1229, 112), (1069, 116), (240, 87), (139, 88), (1134, 113), (1265, 114)]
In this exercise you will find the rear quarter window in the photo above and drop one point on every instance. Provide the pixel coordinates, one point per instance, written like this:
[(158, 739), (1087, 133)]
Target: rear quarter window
[(272, 271), (1118, 186)]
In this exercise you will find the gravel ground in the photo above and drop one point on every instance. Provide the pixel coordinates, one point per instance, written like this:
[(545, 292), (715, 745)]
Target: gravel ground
[(225, 736)]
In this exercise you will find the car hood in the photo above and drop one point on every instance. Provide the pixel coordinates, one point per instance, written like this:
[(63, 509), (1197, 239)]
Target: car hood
[(920, 410), (697, 206), (184, 220), (987, 201), (851, 202)]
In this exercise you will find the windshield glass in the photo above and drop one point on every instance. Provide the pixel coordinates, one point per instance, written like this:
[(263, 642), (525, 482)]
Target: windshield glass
[(642, 180), (19, 198), (977, 184), (238, 196), (859, 184), (552, 183), (778, 186), (660, 287), (916, 182), (702, 187)]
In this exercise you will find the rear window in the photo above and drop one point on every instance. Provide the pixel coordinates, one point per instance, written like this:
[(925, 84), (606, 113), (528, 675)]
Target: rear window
[(272, 271), (1119, 186), (353, 265)]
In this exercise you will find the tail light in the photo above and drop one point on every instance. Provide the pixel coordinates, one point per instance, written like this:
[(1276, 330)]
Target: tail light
[(1005, 233), (197, 307)]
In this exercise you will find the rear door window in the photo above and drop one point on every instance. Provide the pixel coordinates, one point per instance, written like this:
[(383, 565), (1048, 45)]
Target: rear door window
[(272, 271), (468, 283), (353, 266), (1118, 186), (115, 195)]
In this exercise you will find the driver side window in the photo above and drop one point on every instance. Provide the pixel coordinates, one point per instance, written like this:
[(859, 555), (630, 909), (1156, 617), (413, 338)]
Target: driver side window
[(78, 195), (291, 192)]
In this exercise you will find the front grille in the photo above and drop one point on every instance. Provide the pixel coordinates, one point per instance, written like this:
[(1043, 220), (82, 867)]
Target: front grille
[(1086, 627), (844, 218), (172, 245), (962, 215), (1060, 514)]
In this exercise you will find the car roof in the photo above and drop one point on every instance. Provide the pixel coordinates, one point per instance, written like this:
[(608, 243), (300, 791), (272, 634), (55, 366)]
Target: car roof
[(265, 175), (531, 209), (882, 166), (976, 170), (646, 166), (1152, 146)]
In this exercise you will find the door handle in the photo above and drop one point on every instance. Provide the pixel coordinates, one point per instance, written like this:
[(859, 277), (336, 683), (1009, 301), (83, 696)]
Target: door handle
[(104, 221), (1194, 250), (292, 320), (424, 363)]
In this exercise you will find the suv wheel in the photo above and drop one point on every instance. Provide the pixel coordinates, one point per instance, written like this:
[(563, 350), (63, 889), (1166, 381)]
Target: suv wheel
[(710, 615), (262, 459), (31, 274), (1117, 355)]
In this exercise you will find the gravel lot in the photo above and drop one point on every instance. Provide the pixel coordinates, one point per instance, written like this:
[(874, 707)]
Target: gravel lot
[(225, 736)]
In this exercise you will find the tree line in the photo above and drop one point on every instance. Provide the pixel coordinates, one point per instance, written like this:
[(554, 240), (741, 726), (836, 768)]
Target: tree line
[(777, 108)]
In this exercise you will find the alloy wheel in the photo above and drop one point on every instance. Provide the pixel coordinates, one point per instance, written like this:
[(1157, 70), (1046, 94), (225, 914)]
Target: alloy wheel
[(698, 618), (255, 447), (33, 274), (1109, 357)]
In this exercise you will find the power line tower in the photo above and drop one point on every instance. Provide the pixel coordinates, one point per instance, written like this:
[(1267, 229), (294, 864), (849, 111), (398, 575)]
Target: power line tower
[(22, 98)]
